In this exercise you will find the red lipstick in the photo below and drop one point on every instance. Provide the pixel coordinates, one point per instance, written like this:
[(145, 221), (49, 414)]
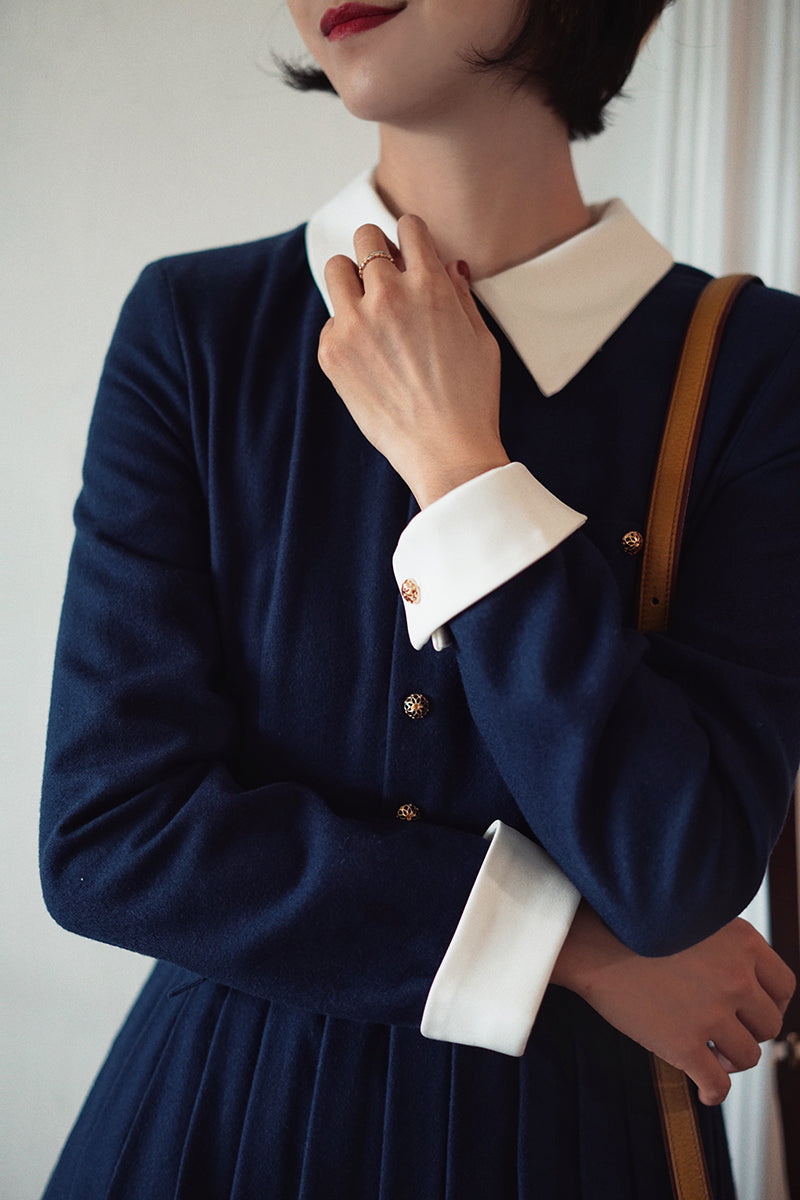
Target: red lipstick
[(348, 19)]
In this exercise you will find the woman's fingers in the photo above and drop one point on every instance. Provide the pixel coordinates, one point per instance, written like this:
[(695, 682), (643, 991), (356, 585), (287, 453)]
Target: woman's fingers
[(704, 1009), (416, 367), (760, 1016), (712, 1079), (710, 1068), (724, 1062), (344, 286), (735, 1047), (777, 980), (460, 278), (761, 986), (759, 996), (417, 245), (371, 246)]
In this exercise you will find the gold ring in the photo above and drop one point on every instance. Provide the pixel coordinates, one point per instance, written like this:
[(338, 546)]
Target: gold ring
[(369, 258)]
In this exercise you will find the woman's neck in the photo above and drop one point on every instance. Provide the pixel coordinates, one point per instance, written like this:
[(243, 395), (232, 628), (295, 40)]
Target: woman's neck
[(495, 187)]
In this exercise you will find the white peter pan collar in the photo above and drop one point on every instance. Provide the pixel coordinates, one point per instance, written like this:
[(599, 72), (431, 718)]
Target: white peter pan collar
[(557, 309)]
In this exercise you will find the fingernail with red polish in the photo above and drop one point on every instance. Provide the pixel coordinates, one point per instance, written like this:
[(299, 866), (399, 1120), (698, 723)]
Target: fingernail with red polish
[(463, 268)]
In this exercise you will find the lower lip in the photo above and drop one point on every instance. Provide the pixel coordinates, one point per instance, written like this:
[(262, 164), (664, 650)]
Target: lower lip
[(360, 25)]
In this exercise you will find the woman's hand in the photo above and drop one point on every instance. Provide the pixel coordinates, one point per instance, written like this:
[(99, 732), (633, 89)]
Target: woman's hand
[(412, 359), (730, 990)]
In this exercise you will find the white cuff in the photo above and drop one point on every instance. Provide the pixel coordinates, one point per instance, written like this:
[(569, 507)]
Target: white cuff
[(472, 540), (491, 980)]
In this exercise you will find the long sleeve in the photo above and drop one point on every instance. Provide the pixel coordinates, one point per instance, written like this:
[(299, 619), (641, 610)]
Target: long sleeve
[(471, 541), (148, 839), (656, 770), (158, 832)]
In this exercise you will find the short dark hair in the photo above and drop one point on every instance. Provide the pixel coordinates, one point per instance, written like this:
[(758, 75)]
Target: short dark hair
[(578, 53)]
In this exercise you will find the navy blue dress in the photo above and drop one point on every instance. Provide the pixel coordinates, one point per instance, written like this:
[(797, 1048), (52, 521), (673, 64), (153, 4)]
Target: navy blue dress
[(228, 748)]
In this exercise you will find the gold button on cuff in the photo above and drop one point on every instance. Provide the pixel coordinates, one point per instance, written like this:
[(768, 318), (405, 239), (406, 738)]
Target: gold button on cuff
[(632, 542), (408, 812), (416, 706), (410, 592)]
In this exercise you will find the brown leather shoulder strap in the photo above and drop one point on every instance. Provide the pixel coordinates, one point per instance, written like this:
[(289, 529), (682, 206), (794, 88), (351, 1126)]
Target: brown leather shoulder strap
[(668, 499), (682, 1142), (673, 473)]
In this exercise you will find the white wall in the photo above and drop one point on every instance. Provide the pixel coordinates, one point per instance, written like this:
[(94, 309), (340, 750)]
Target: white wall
[(130, 130)]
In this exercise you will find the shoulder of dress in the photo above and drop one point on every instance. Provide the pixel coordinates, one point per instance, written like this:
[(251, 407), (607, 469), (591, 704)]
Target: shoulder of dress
[(763, 326), (757, 302), (225, 291), (768, 313), (276, 256)]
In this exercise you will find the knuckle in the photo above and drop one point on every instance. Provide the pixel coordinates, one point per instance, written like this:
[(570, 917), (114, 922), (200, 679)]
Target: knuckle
[(337, 264), (382, 288), (369, 237), (385, 296), (753, 940), (325, 353), (714, 1085), (749, 1057), (329, 351), (771, 1028), (739, 981), (433, 289), (348, 328), (718, 1019)]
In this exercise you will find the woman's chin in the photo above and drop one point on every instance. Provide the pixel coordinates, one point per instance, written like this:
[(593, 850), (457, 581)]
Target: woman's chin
[(368, 103), (380, 99)]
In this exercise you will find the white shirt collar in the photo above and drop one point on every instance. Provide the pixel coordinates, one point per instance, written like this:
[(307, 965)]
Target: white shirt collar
[(557, 309)]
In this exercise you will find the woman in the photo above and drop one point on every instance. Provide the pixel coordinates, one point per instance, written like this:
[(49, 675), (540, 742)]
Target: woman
[(272, 766)]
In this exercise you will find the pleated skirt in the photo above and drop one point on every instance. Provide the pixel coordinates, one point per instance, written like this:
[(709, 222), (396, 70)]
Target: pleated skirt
[(212, 1094)]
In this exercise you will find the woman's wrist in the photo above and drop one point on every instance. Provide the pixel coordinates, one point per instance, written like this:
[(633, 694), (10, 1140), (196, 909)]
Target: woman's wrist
[(439, 479), (589, 948)]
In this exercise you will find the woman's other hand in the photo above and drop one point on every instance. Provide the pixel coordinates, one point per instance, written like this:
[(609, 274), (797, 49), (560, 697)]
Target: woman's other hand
[(411, 357), (704, 1010)]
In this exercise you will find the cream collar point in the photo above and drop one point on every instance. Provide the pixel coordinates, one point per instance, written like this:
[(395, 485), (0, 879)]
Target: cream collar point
[(556, 309)]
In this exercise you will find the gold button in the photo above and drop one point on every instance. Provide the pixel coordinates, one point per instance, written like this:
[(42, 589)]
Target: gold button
[(632, 542), (416, 706), (410, 591), (408, 812)]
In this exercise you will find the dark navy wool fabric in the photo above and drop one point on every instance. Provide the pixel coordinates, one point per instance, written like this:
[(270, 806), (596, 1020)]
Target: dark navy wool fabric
[(228, 748)]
